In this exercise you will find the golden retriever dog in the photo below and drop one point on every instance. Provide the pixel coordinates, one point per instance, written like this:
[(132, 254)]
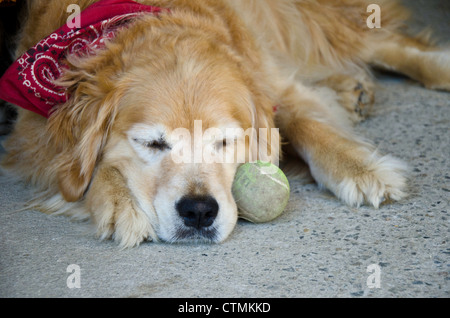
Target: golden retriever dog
[(301, 66)]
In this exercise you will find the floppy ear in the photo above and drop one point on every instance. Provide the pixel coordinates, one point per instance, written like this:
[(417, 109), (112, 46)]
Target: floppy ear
[(80, 127)]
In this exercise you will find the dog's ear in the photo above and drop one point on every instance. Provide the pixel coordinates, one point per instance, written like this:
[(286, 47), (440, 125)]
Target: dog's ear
[(79, 128)]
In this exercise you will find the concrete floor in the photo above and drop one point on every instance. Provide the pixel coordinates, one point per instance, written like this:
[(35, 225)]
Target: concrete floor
[(317, 248)]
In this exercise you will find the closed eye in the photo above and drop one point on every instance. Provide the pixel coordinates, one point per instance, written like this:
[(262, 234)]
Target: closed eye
[(225, 142), (159, 144)]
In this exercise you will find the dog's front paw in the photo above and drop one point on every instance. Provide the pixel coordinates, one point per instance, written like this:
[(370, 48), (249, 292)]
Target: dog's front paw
[(114, 211), (124, 223), (382, 179)]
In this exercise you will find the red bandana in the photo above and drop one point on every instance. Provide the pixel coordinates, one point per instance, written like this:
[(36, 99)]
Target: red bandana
[(28, 83)]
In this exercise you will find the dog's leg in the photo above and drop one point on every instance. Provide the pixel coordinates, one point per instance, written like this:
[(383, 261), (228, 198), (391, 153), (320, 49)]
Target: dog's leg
[(114, 211), (350, 168), (415, 58)]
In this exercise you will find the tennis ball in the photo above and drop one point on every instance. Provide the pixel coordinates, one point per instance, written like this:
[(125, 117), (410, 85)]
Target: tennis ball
[(261, 191)]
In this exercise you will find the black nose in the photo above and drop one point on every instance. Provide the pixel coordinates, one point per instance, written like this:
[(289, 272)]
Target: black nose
[(198, 212)]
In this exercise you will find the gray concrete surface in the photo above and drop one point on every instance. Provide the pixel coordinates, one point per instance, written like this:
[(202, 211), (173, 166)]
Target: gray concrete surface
[(317, 248)]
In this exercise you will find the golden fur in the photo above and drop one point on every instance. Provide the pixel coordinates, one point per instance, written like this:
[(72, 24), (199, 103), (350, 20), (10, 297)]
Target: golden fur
[(226, 63)]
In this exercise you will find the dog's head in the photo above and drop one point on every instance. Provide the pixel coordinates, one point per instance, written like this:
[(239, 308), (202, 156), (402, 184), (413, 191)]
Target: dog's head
[(176, 112)]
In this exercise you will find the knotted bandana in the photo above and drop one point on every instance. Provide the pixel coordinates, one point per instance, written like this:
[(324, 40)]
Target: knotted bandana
[(29, 82)]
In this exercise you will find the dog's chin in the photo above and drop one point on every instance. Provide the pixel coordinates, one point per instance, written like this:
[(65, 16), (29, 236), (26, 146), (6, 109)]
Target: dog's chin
[(185, 234), (180, 233)]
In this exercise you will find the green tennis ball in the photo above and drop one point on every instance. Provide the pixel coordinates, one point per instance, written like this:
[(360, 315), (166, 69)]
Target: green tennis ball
[(261, 191)]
